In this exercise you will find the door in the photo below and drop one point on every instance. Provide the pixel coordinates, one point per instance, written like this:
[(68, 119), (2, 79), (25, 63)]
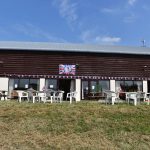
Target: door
[(64, 85), (148, 82)]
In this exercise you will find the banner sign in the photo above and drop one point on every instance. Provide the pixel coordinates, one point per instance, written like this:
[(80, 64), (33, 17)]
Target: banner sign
[(67, 69)]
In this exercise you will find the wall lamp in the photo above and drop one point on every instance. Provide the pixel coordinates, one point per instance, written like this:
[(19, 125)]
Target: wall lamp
[(77, 66)]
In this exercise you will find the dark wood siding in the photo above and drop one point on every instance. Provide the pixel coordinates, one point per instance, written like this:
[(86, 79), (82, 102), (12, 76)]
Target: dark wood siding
[(47, 63)]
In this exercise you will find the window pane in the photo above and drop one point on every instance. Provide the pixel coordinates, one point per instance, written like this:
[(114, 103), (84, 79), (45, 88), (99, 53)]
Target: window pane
[(128, 83), (23, 84), (93, 86), (16, 83), (139, 85), (120, 86), (34, 83), (129, 86), (84, 89), (51, 84), (103, 85)]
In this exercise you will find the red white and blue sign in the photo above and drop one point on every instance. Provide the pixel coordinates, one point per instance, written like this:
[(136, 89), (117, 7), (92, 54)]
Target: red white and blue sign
[(67, 69)]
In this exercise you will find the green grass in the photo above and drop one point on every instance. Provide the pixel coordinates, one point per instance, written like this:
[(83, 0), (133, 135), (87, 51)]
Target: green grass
[(85, 125)]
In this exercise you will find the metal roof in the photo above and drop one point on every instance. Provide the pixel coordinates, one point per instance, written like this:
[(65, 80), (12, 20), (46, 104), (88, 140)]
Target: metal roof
[(67, 47)]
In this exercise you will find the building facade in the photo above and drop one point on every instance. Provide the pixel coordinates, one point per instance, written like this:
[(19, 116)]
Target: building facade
[(73, 67)]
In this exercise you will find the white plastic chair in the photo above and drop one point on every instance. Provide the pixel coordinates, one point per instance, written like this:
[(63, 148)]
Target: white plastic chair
[(22, 94), (127, 97), (42, 96), (111, 97), (133, 96), (50, 96), (147, 98), (34, 96), (3, 95), (59, 96), (71, 96)]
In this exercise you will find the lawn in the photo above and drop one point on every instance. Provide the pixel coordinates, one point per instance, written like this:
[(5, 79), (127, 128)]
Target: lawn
[(84, 125)]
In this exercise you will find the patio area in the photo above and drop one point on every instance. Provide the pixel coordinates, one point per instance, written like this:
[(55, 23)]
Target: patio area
[(51, 96)]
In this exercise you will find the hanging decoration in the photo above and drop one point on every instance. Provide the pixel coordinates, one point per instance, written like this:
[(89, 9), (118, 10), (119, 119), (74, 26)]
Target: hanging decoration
[(74, 77)]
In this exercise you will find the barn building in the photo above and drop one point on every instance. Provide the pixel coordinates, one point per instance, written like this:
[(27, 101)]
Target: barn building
[(73, 67)]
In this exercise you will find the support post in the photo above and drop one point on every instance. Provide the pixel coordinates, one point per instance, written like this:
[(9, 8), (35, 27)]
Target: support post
[(78, 89), (42, 83), (112, 85)]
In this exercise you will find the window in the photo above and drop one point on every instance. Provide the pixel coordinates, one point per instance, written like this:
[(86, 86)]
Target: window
[(93, 86), (139, 85), (51, 84), (84, 89), (23, 84), (129, 86), (104, 85), (34, 83), (97, 86)]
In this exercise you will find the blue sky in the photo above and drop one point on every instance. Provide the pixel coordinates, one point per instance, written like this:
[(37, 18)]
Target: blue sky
[(116, 22)]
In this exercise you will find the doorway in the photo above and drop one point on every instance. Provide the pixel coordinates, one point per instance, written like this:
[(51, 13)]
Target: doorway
[(64, 85), (148, 82)]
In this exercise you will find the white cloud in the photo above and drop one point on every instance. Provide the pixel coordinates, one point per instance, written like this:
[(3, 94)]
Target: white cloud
[(90, 36), (86, 36), (67, 10), (110, 10), (107, 10), (131, 2), (130, 19), (33, 31), (108, 39)]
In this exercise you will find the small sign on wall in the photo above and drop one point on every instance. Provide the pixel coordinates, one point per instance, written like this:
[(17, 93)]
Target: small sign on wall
[(93, 87), (26, 86), (16, 85), (51, 86)]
